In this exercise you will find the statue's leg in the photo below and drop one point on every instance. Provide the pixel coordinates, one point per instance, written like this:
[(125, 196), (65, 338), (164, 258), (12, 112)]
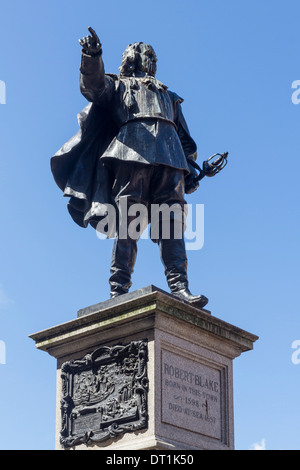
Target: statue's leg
[(169, 191), (131, 181), (122, 264), (174, 259)]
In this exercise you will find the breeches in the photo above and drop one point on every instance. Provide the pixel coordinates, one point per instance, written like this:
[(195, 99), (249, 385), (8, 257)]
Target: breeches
[(142, 187), (155, 193)]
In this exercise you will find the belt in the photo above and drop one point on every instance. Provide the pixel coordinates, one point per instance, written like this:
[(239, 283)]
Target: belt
[(151, 118)]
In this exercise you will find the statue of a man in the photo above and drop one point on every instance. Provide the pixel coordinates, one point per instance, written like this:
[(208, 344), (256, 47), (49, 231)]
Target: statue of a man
[(133, 145)]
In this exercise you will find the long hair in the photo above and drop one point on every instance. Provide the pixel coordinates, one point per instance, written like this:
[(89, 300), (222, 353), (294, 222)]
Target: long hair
[(131, 58)]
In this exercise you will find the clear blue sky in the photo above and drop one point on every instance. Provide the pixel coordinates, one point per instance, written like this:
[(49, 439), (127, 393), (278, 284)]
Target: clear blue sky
[(234, 63)]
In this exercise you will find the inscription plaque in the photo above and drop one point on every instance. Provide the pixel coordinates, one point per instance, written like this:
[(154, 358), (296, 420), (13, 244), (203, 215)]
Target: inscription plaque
[(191, 395), (105, 394)]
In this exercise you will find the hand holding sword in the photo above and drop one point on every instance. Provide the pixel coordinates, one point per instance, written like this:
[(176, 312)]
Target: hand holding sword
[(211, 167)]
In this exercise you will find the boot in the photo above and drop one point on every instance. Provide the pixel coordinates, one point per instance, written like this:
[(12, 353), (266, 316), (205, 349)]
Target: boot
[(122, 264), (174, 259)]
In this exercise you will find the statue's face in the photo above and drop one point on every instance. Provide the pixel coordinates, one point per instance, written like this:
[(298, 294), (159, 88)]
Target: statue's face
[(148, 60)]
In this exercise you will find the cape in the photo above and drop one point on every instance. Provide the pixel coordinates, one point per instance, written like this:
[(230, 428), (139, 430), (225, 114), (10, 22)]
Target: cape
[(79, 172)]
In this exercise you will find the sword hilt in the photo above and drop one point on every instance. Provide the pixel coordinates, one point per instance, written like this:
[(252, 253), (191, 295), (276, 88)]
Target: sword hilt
[(211, 169)]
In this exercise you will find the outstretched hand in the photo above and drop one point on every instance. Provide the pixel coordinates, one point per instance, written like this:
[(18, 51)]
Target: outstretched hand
[(91, 44)]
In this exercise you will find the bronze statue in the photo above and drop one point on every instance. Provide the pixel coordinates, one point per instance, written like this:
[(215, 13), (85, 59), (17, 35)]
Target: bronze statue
[(133, 145)]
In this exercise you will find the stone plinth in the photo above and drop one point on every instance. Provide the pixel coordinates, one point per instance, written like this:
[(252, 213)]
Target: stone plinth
[(144, 371)]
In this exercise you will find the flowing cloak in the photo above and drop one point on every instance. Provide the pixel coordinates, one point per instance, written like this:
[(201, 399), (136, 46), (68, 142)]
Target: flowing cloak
[(80, 173)]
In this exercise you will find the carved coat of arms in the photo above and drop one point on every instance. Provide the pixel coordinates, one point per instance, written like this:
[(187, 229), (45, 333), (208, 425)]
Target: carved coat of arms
[(105, 394)]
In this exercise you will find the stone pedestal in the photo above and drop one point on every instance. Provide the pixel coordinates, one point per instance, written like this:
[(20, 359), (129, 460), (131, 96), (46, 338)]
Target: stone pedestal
[(144, 371)]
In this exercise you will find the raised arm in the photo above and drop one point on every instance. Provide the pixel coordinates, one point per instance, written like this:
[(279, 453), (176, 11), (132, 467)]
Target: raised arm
[(92, 76)]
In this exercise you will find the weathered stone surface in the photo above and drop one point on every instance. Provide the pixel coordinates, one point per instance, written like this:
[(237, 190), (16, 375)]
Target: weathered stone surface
[(104, 395), (191, 395), (189, 368)]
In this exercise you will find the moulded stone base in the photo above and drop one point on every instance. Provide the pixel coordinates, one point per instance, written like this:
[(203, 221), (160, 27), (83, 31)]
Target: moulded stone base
[(189, 368)]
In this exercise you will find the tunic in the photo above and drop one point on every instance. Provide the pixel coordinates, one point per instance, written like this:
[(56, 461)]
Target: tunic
[(143, 111), (128, 119)]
